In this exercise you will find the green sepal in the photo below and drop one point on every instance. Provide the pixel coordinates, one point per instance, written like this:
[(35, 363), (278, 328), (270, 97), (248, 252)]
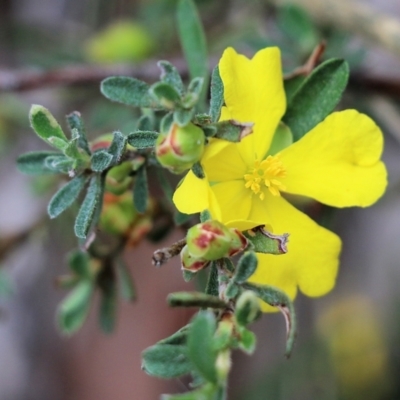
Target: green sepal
[(233, 131), (195, 299), (197, 169), (101, 160), (166, 95), (142, 139), (201, 346), (141, 190), (64, 198), (212, 287), (92, 202), (170, 75), (317, 97), (246, 267), (217, 95), (166, 361), (73, 310), (262, 241), (75, 122), (34, 163), (283, 138), (127, 90), (193, 41), (45, 125), (125, 282), (182, 117), (277, 298), (117, 146)]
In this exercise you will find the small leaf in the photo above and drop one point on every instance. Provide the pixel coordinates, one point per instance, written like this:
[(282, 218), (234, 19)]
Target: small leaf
[(194, 92), (232, 290), (45, 125), (170, 75), (78, 262), (126, 90), (197, 169), (277, 298), (34, 163), (141, 191), (183, 117), (233, 131), (59, 144), (246, 267), (73, 310), (195, 299), (166, 361), (66, 196), (75, 122), (166, 95), (126, 285), (248, 340), (317, 97), (87, 211), (59, 164), (142, 139), (217, 95), (117, 147), (166, 122), (212, 287), (178, 337), (108, 305), (101, 160), (193, 41), (200, 345), (265, 242), (145, 123)]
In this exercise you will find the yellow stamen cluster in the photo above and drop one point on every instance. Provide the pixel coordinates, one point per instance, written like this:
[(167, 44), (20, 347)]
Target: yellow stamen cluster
[(266, 171)]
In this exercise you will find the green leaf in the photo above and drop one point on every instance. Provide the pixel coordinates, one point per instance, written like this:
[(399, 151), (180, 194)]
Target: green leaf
[(217, 95), (59, 163), (194, 92), (317, 97), (178, 337), (212, 287), (181, 218), (126, 90), (232, 290), (195, 299), (246, 267), (187, 275), (101, 160), (166, 122), (263, 241), (126, 285), (292, 85), (108, 305), (282, 138), (142, 139), (165, 184), (45, 125), (87, 211), (145, 123), (183, 117), (170, 75), (58, 143), (117, 147), (277, 298), (166, 95), (78, 262), (205, 215), (75, 123), (34, 163), (66, 196), (166, 361), (200, 345), (141, 190), (233, 131), (197, 169), (193, 41), (248, 340), (73, 310)]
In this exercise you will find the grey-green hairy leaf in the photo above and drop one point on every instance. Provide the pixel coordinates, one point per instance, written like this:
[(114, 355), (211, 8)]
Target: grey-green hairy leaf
[(166, 95), (197, 169), (126, 285), (127, 90), (66, 196), (233, 131), (263, 241), (117, 146), (166, 361), (87, 212), (108, 306), (182, 117), (101, 160), (246, 267), (170, 75), (142, 139), (34, 163), (78, 262), (317, 97), (195, 299), (141, 190), (75, 123), (217, 95)]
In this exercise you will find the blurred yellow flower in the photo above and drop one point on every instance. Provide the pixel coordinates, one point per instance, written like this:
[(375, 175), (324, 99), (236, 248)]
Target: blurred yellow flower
[(337, 163)]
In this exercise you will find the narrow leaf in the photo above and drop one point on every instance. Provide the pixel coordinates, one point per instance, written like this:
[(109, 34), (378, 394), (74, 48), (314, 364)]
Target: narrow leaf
[(178, 337), (246, 267), (195, 299), (197, 169), (126, 285), (108, 305), (170, 75), (101, 160), (66, 196), (165, 184), (87, 212), (34, 163), (75, 122), (73, 310), (317, 97), (165, 94), (233, 131), (78, 262), (166, 361), (200, 345), (117, 147), (217, 95), (126, 90), (212, 282), (141, 190), (142, 139), (59, 163)]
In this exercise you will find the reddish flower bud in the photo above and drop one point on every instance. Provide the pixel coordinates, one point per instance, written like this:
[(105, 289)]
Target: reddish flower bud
[(191, 263)]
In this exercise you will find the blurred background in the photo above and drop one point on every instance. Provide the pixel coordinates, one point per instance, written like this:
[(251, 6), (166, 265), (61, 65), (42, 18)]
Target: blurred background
[(55, 53)]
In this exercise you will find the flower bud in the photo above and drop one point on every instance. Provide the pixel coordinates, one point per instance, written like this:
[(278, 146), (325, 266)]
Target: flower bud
[(180, 148), (118, 179), (247, 308), (191, 263)]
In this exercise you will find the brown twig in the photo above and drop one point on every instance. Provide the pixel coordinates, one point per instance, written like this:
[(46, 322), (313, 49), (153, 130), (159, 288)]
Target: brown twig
[(161, 256)]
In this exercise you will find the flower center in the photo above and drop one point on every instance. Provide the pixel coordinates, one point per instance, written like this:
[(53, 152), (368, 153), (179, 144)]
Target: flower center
[(266, 172)]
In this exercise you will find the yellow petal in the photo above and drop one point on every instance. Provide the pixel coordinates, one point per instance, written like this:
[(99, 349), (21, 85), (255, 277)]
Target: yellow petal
[(311, 262), (234, 200), (337, 162), (192, 194), (253, 92)]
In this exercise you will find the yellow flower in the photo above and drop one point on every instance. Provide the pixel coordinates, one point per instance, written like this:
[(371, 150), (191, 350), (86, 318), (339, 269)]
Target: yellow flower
[(337, 163)]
